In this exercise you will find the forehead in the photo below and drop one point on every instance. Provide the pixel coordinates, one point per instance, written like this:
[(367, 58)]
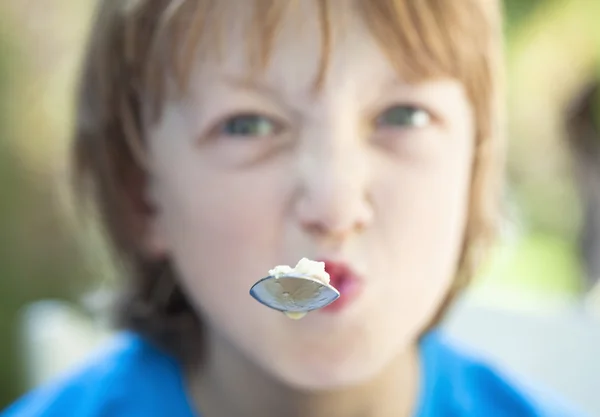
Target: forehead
[(420, 40), (423, 39), (304, 50)]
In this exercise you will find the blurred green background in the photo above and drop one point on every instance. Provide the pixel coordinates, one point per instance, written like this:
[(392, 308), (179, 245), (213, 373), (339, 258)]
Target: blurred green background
[(550, 243)]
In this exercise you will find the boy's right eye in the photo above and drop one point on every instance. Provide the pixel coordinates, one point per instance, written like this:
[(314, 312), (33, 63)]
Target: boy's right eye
[(249, 125)]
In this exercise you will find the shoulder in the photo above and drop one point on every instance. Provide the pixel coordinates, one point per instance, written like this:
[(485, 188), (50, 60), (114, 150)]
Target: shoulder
[(465, 385), (125, 377)]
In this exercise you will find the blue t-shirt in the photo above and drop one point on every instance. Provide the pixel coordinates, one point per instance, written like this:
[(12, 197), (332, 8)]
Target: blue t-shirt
[(130, 378)]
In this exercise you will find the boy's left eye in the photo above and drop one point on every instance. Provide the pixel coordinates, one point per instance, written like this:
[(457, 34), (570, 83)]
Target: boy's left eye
[(403, 117), (249, 125)]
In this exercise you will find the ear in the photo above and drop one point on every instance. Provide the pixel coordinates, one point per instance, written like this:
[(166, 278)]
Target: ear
[(143, 211), (154, 243), (153, 238)]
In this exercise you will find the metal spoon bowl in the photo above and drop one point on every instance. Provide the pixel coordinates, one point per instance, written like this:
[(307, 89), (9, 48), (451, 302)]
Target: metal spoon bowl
[(293, 293)]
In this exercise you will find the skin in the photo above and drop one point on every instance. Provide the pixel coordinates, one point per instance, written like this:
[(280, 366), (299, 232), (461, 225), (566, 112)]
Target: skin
[(330, 174)]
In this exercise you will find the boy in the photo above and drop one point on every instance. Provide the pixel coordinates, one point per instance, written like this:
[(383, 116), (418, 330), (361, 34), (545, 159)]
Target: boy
[(225, 137)]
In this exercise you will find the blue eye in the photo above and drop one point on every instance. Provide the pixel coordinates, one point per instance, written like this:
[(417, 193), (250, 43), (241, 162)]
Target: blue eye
[(249, 125), (403, 117)]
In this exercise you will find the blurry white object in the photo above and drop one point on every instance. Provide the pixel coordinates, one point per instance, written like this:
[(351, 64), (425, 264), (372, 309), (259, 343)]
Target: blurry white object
[(592, 301), (556, 344), (55, 337)]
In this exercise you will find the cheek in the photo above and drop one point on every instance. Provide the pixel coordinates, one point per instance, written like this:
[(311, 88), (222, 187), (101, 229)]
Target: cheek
[(211, 218), (423, 215)]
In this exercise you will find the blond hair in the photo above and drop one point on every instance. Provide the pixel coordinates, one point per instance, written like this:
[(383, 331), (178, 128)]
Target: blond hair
[(136, 45)]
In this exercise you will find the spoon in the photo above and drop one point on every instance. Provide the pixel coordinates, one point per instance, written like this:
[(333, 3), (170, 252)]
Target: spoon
[(293, 294)]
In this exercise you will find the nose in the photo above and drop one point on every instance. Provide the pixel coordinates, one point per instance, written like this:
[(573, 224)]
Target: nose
[(334, 201)]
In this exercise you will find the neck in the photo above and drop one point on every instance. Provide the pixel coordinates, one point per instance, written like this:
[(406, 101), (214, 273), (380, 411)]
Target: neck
[(227, 384)]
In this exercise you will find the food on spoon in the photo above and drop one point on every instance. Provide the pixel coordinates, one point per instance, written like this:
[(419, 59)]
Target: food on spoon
[(295, 315), (305, 267)]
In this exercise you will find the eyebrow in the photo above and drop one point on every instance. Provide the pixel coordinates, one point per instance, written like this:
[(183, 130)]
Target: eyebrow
[(251, 84), (395, 81)]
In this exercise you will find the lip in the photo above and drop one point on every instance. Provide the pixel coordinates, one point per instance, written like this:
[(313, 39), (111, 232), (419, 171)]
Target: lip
[(346, 280)]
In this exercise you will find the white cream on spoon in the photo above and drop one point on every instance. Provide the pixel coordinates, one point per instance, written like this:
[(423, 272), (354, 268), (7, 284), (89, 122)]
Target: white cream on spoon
[(296, 291)]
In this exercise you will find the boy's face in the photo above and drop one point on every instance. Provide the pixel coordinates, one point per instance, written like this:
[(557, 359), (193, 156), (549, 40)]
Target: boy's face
[(366, 170)]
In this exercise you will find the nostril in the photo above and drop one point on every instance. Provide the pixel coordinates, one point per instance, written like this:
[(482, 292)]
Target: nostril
[(331, 231), (334, 214), (315, 228)]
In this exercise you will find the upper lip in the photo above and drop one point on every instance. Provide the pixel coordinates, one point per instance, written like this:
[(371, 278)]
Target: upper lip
[(340, 267)]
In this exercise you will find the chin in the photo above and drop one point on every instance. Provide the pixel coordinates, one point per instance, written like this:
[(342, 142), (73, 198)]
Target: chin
[(326, 379), (324, 373)]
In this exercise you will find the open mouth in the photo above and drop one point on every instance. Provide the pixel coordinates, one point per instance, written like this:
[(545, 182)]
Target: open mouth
[(346, 281)]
